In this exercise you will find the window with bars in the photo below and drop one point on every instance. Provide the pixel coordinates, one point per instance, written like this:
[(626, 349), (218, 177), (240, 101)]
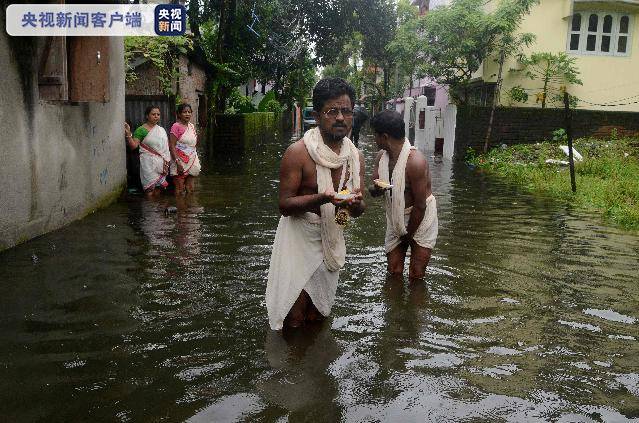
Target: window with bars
[(599, 33)]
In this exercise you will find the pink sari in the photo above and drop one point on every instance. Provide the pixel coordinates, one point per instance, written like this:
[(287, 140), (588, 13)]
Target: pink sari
[(186, 153)]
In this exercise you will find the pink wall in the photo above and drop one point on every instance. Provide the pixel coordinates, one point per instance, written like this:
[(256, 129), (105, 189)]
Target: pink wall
[(441, 93)]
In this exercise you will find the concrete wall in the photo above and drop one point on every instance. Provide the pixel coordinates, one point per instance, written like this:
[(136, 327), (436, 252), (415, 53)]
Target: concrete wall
[(441, 93), (512, 125), (254, 90), (59, 161), (236, 133)]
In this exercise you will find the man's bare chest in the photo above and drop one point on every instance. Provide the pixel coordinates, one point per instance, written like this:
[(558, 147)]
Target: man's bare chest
[(309, 177)]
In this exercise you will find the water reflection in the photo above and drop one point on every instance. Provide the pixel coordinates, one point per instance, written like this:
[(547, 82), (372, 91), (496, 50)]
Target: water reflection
[(528, 313), (301, 382)]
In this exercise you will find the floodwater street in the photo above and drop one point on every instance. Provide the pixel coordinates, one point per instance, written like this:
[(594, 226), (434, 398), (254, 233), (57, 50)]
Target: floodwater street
[(528, 313)]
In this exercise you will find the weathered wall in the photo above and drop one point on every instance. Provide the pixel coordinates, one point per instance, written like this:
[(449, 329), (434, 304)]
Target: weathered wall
[(192, 85), (59, 161), (147, 81), (521, 125), (235, 133)]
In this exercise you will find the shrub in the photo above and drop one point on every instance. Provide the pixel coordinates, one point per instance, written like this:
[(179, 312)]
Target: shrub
[(238, 103), (274, 106), (559, 135), (518, 95), (265, 100)]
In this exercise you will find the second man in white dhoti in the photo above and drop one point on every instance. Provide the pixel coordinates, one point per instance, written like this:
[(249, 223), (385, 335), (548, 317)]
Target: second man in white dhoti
[(309, 248), (411, 209)]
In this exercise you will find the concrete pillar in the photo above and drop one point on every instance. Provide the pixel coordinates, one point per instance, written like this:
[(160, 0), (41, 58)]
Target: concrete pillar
[(420, 127), (408, 104), (450, 123), (431, 128)]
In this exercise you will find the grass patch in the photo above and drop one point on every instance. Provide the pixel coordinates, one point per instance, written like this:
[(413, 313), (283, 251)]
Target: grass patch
[(607, 179)]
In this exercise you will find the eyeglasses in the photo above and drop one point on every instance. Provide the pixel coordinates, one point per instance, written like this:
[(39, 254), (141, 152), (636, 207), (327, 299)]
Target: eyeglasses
[(334, 112)]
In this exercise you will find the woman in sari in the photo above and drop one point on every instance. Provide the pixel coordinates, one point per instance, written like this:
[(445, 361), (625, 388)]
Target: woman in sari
[(182, 144), (154, 152)]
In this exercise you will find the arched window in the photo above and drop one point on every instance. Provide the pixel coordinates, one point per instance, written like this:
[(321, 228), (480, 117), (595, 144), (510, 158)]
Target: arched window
[(622, 42), (575, 32), (599, 33), (606, 33), (591, 40)]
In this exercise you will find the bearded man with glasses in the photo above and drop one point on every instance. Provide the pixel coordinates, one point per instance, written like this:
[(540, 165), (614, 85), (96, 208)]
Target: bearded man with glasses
[(309, 248)]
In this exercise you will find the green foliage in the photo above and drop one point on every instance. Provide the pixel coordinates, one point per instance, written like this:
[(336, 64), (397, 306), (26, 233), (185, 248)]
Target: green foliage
[(377, 24), (614, 134), (606, 179), (297, 84), (162, 52), (285, 43), (237, 103), (554, 71), (404, 46), (559, 135), (454, 40), (259, 124), (558, 99), (267, 97), (471, 155), (274, 106), (348, 64), (517, 94)]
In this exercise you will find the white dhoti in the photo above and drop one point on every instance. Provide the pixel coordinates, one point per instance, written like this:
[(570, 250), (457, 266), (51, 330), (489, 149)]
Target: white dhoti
[(309, 250), (397, 216), (297, 264), (426, 234)]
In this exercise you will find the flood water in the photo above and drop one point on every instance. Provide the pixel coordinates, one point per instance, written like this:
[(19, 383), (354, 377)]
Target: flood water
[(529, 312)]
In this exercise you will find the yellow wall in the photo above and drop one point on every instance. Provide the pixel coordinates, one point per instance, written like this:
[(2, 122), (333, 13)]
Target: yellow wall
[(605, 78)]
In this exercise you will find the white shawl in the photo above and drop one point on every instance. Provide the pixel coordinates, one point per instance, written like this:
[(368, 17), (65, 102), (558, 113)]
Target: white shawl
[(397, 216), (326, 159), (395, 209)]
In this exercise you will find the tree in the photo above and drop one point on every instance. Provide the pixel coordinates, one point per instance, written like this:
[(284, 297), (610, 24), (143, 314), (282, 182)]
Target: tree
[(162, 52), (404, 46), (348, 63), (377, 22), (508, 17), (454, 41), (270, 40), (552, 70)]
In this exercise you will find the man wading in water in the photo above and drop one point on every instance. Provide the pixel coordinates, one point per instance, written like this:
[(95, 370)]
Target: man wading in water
[(411, 209), (309, 247)]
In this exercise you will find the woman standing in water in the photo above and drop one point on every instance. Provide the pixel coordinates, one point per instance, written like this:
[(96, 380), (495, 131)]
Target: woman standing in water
[(154, 151), (182, 143)]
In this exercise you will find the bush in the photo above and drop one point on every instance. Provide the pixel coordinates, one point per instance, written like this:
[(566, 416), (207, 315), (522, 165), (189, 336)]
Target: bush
[(517, 94), (274, 106), (238, 103), (559, 135), (268, 97), (606, 178)]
